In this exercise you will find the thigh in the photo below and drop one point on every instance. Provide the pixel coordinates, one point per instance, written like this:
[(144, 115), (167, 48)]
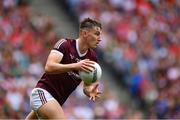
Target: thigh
[(51, 110), (31, 115), (44, 104)]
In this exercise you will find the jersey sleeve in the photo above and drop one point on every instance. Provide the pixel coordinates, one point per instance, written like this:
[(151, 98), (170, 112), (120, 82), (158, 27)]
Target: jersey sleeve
[(61, 46)]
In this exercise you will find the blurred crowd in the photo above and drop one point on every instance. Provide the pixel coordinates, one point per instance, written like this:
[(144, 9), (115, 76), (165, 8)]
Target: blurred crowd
[(141, 41), (26, 38)]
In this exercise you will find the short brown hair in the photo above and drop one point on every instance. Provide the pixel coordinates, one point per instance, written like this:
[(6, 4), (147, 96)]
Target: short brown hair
[(89, 23)]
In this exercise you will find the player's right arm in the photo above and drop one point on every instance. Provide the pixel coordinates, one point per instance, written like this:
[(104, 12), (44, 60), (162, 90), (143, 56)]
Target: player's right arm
[(53, 63), (54, 66)]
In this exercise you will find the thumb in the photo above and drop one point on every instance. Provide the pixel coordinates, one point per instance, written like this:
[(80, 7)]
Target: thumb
[(96, 86)]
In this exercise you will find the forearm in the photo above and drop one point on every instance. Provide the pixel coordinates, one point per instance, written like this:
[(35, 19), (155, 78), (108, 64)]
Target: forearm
[(92, 91), (86, 92), (55, 68), (87, 88), (89, 85)]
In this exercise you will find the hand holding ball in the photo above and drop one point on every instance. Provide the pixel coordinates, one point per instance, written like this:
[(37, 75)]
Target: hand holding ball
[(91, 77)]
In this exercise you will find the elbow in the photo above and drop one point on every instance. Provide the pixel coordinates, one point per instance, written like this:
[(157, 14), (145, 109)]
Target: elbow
[(48, 68)]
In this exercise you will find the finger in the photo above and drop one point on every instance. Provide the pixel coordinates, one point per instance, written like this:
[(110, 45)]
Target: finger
[(86, 59), (86, 69), (93, 98), (90, 98), (89, 61), (98, 96), (95, 88), (99, 93), (90, 66)]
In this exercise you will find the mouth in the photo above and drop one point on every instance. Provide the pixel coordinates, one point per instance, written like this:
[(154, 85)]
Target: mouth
[(97, 43)]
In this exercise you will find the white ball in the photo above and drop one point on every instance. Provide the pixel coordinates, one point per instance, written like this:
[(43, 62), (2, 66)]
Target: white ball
[(93, 76)]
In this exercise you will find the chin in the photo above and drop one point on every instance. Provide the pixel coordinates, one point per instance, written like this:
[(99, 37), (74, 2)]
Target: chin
[(94, 46)]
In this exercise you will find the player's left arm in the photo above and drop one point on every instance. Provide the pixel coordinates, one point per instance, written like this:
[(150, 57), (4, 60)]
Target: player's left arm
[(92, 90)]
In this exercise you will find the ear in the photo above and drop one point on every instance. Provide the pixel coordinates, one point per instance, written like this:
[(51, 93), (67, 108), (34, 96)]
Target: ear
[(84, 33)]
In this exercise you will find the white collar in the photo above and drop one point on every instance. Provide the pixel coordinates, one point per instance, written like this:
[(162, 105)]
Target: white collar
[(78, 50)]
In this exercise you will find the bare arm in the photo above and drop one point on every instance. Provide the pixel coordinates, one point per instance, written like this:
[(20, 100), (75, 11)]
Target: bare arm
[(54, 66), (91, 90)]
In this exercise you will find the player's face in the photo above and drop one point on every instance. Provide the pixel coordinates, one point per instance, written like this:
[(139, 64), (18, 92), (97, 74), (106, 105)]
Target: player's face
[(93, 37)]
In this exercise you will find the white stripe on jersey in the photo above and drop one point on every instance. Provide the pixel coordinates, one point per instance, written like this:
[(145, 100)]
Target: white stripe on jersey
[(58, 52), (58, 44)]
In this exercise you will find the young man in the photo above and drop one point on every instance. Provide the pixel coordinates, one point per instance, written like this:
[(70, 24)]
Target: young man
[(61, 77)]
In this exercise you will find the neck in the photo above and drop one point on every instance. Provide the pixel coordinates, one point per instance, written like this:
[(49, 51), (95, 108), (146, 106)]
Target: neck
[(82, 45)]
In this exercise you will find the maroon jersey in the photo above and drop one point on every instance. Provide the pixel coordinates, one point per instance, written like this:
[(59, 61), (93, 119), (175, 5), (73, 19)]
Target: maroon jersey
[(60, 86)]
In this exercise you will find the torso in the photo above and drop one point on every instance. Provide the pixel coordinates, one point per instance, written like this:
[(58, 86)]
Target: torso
[(60, 86)]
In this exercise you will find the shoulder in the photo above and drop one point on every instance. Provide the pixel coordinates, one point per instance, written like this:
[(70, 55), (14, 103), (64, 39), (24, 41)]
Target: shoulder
[(64, 42), (60, 43)]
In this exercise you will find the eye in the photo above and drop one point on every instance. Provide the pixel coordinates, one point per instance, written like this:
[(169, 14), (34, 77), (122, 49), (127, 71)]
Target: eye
[(97, 33)]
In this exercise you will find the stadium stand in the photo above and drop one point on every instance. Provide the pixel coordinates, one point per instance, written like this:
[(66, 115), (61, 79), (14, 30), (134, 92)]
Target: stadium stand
[(140, 42), (24, 36), (22, 42)]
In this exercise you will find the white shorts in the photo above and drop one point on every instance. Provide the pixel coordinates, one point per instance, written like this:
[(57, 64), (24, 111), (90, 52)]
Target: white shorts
[(39, 97)]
